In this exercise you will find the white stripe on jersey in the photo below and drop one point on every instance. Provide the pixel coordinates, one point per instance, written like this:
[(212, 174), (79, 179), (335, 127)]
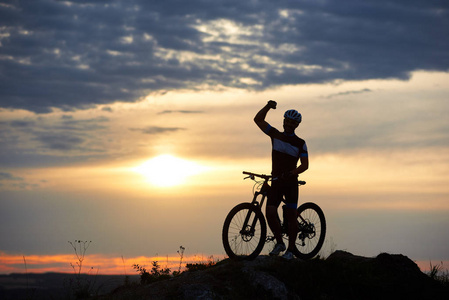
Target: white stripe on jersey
[(285, 147)]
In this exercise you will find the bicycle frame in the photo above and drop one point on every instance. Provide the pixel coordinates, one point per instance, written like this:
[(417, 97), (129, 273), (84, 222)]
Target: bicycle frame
[(264, 192)]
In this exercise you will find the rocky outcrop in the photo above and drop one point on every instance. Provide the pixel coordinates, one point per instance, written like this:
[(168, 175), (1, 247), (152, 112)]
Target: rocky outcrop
[(341, 276)]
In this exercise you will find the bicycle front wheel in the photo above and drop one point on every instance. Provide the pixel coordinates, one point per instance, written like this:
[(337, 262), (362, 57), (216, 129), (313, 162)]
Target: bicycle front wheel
[(244, 232), (312, 230)]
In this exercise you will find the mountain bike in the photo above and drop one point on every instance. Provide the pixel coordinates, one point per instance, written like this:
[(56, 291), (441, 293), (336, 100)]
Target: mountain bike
[(245, 229)]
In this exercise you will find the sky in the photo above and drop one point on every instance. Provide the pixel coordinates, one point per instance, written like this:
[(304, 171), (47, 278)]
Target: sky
[(129, 123)]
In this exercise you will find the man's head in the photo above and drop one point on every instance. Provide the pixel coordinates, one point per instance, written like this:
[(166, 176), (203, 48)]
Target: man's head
[(292, 118)]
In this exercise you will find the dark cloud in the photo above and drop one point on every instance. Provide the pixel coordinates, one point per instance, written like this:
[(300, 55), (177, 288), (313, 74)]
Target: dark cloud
[(59, 140), (22, 123), (107, 109), (8, 180), (43, 140), (73, 55), (9, 176), (68, 123), (156, 129)]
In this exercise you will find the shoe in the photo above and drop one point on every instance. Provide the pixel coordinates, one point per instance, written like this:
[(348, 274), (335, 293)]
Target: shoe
[(288, 255), (278, 248)]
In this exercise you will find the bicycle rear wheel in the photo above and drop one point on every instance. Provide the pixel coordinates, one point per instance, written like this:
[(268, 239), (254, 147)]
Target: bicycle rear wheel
[(312, 230), (244, 232)]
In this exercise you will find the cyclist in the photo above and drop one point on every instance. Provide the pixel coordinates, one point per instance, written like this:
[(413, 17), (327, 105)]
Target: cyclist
[(287, 149)]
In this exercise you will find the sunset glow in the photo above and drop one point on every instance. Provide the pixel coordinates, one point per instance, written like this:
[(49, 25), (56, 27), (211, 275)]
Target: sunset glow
[(167, 170), (92, 263), (119, 265)]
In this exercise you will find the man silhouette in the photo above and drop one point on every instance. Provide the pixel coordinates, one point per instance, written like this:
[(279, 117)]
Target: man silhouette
[(287, 149)]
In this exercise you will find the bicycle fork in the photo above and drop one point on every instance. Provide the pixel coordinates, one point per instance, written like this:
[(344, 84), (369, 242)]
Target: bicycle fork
[(247, 230)]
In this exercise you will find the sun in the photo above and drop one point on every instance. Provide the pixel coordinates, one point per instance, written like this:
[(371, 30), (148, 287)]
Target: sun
[(167, 170)]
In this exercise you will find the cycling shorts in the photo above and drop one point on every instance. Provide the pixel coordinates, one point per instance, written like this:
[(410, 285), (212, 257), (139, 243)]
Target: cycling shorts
[(284, 189)]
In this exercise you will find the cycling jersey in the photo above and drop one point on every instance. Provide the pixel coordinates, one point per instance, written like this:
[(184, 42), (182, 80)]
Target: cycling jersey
[(287, 149)]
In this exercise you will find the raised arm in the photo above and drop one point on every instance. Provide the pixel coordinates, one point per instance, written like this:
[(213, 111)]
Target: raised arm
[(259, 119)]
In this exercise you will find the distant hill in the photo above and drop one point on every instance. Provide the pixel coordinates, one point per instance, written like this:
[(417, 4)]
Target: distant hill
[(56, 285), (341, 276)]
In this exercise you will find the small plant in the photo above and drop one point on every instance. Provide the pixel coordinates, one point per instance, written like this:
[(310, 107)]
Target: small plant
[(156, 273), (30, 292), (202, 265), (80, 248), (181, 255), (81, 287), (434, 270), (436, 273), (126, 282)]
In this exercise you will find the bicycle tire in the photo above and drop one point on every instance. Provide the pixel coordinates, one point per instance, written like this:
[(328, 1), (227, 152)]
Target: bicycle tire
[(312, 234), (244, 244)]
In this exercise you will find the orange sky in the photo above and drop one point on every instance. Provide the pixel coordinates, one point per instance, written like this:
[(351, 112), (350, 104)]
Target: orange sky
[(120, 265), (95, 262)]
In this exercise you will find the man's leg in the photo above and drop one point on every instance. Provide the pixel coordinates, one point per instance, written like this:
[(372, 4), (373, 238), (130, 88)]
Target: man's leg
[(292, 228), (275, 226), (273, 222), (273, 202), (291, 199)]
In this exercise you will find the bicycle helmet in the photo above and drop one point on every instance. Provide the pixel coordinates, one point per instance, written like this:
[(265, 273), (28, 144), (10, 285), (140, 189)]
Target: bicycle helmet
[(293, 115)]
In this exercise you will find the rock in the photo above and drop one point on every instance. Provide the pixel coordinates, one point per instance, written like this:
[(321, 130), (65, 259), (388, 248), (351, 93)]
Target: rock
[(341, 276), (392, 276), (268, 283), (198, 292)]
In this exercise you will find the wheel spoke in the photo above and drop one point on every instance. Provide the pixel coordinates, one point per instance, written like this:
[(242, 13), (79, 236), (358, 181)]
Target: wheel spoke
[(240, 239), (312, 226)]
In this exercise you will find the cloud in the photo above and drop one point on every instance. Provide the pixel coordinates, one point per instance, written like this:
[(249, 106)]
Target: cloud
[(156, 129), (43, 140), (180, 111), (348, 93), (59, 141), (9, 176), (10, 181), (74, 55), (107, 109), (68, 123), (22, 123)]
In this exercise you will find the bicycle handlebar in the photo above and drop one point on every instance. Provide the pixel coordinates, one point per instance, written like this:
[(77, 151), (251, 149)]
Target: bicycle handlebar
[(252, 175), (257, 175)]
